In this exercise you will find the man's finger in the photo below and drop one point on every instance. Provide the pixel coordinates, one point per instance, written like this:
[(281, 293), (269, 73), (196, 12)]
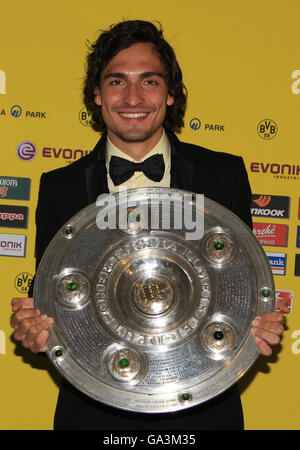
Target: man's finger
[(35, 323), (263, 347), (282, 305), (21, 315), (28, 323), (22, 303), (274, 316), (40, 342), (33, 339), (275, 327), (267, 336)]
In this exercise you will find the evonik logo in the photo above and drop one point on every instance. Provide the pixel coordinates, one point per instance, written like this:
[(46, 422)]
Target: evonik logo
[(12, 245), (65, 153), (278, 170), (26, 150)]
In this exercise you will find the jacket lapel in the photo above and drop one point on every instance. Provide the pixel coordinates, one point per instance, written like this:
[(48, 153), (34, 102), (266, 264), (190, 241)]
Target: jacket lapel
[(96, 173), (182, 169)]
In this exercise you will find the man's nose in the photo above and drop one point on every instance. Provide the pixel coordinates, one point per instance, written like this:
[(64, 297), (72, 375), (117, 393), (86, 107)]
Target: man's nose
[(134, 94)]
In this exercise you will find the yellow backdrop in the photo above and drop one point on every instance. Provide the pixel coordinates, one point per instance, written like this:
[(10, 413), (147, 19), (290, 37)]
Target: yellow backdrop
[(241, 66)]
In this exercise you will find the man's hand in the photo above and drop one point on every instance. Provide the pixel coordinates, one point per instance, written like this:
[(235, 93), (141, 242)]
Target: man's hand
[(31, 327), (268, 328)]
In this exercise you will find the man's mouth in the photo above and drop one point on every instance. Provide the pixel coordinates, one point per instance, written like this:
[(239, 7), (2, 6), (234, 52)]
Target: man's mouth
[(134, 115)]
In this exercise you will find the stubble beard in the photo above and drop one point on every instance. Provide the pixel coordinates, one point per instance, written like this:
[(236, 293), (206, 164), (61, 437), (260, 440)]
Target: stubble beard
[(131, 137)]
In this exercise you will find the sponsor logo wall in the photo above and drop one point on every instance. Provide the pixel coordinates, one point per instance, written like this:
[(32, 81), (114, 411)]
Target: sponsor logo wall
[(12, 245), (234, 106), (271, 234)]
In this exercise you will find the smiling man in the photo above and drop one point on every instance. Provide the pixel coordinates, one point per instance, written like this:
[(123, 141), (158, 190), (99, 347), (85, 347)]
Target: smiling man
[(135, 93), (133, 96)]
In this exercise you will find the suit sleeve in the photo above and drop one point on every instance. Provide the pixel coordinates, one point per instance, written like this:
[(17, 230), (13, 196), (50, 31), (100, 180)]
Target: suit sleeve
[(46, 224), (241, 195)]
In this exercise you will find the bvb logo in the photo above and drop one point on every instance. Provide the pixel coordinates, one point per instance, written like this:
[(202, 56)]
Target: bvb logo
[(84, 117), (267, 129), (23, 281)]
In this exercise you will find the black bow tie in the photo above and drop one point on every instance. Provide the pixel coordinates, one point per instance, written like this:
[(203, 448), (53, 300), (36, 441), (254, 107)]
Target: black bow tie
[(120, 169)]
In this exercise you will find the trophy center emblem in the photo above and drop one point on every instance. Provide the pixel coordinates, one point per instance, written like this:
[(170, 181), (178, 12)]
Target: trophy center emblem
[(153, 295)]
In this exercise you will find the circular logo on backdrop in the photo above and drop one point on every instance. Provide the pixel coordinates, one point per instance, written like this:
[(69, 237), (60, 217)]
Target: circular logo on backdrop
[(16, 111), (23, 281), (267, 129), (26, 150), (195, 124), (84, 117)]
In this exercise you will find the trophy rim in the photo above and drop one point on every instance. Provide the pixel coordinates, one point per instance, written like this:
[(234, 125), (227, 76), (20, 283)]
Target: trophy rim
[(183, 394)]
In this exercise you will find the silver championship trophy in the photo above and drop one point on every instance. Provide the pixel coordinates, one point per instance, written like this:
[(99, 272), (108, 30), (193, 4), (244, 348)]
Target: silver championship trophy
[(153, 292)]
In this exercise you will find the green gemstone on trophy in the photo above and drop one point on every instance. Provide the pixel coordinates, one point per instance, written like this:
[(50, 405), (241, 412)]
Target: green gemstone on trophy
[(69, 230), (185, 397), (219, 245), (266, 293), (72, 286), (123, 363), (58, 353)]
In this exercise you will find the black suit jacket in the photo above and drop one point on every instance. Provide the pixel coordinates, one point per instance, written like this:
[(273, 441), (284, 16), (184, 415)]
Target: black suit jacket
[(63, 192)]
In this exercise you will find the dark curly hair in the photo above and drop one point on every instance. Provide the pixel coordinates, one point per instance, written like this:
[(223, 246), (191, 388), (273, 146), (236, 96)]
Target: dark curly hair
[(121, 36)]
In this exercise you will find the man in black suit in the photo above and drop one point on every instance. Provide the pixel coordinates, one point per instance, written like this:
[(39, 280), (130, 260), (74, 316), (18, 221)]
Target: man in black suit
[(135, 93)]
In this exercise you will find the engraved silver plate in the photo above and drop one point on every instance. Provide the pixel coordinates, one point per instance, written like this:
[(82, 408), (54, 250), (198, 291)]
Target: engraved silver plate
[(146, 319)]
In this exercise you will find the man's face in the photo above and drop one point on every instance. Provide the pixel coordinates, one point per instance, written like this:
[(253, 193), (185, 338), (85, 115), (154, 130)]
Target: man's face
[(134, 95)]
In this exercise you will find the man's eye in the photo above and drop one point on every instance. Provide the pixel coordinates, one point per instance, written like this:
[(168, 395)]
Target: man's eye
[(116, 82), (151, 82)]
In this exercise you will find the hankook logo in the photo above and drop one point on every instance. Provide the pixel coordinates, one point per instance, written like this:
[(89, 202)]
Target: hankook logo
[(270, 206), (263, 200)]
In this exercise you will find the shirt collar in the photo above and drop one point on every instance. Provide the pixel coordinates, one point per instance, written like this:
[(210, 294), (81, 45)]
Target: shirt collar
[(162, 147)]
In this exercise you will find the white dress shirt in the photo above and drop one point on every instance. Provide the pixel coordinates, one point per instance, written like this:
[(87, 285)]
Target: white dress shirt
[(139, 179)]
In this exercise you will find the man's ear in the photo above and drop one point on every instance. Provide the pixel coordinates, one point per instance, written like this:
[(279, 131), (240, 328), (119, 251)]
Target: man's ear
[(97, 96), (170, 100)]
